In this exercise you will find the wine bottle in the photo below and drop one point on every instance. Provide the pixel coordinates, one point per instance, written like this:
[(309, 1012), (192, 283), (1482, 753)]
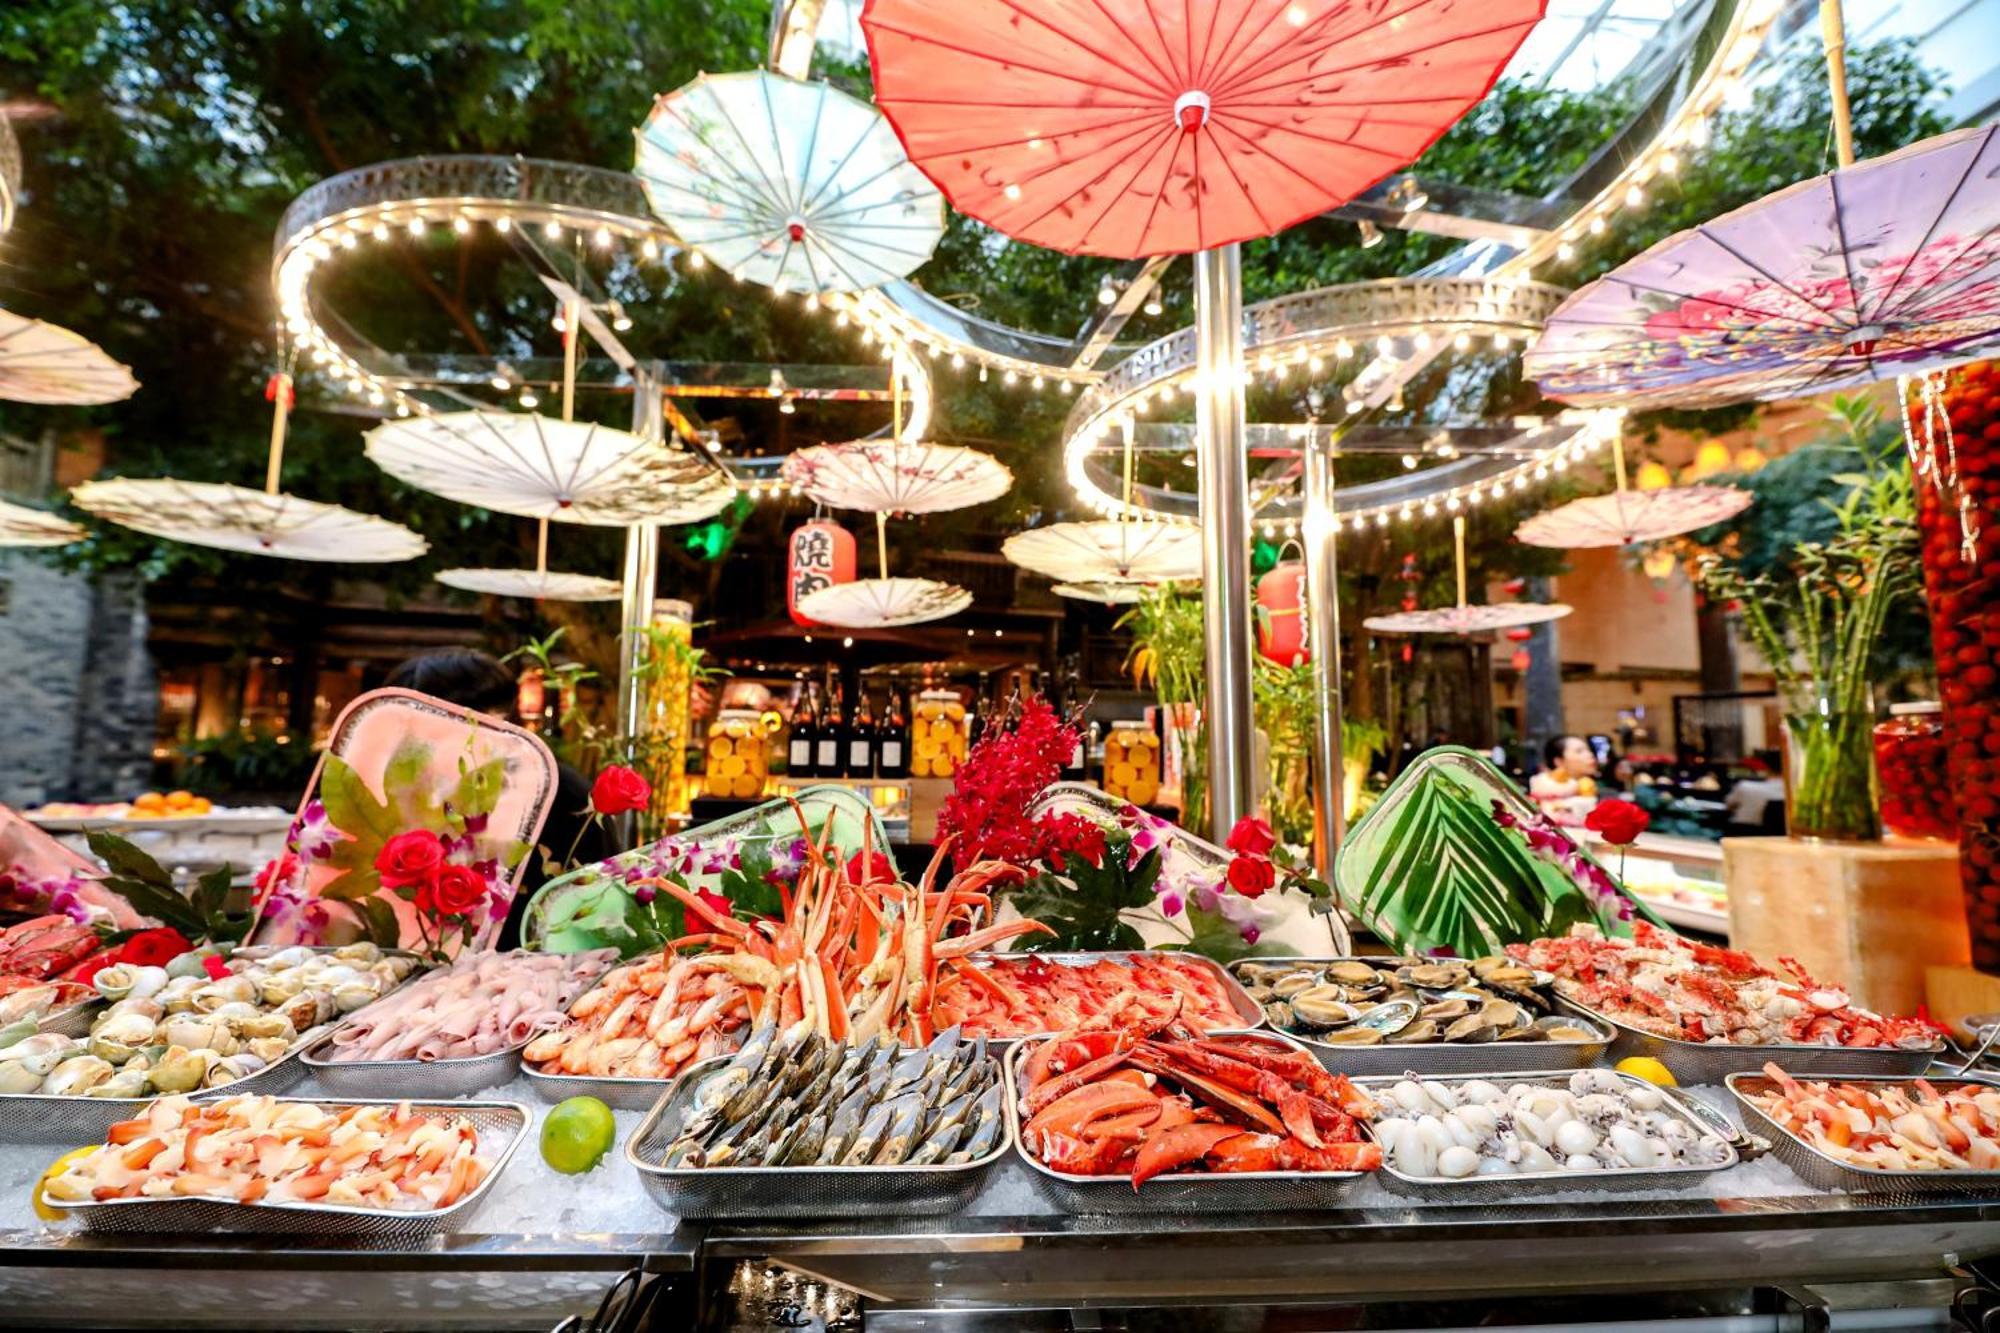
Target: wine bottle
[(830, 749), (805, 732), (861, 738), (892, 743)]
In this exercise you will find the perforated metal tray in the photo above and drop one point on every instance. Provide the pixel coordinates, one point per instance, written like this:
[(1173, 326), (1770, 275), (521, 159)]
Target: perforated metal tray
[(1522, 1185), (73, 1020), (1830, 1173), (401, 1079), (1175, 1192), (1438, 1057), (625, 1094), (794, 1191), (501, 1125), (41, 1117), (1249, 1013), (1714, 1061)]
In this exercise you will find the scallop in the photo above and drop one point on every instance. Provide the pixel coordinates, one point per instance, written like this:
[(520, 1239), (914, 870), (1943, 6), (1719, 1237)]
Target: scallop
[(1457, 1162), (1292, 983), (1471, 1028), (1350, 1037), (1322, 1007), (1351, 974), (1559, 1031), (1503, 1014), (1422, 1030), (1436, 976), (1444, 1010)]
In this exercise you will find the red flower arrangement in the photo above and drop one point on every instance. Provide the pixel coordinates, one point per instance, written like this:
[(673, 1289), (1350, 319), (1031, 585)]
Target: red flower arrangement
[(987, 811), (416, 866)]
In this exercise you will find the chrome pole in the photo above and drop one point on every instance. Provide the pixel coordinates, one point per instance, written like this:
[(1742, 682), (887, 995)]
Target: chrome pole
[(642, 569), (1321, 529), (1222, 477)]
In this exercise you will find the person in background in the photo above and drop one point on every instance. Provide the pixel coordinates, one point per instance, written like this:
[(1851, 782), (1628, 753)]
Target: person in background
[(1566, 788), (476, 680)]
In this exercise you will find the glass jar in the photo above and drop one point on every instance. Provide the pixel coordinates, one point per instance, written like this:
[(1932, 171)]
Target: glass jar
[(739, 761), (937, 737), (1830, 776), (1911, 759), (1132, 762)]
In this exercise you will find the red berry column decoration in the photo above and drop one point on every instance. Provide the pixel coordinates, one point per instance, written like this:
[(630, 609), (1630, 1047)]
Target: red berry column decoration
[(1952, 427)]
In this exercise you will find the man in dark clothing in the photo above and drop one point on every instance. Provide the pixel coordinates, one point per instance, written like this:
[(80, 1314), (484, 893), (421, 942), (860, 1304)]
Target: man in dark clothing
[(476, 680)]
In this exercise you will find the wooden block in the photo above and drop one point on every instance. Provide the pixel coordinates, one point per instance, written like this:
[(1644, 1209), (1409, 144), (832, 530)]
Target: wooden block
[(926, 795), (1869, 917), (1955, 990)]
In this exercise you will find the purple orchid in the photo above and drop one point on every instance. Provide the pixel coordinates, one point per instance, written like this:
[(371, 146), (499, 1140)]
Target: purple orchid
[(1547, 840), (787, 860), (312, 835)]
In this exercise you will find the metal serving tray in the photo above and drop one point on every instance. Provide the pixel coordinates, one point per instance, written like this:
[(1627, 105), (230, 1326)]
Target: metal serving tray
[(501, 1125), (1191, 1192), (624, 1094), (401, 1079), (1510, 1188), (1247, 1010), (43, 1117), (1830, 1173), (1714, 1061), (1440, 1057), (459, 1077), (73, 1020), (793, 1191)]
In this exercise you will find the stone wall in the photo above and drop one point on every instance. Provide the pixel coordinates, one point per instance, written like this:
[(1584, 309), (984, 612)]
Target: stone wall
[(80, 704), (44, 625)]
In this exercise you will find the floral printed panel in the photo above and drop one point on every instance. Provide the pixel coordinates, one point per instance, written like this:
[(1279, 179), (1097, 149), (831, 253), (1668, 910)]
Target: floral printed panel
[(414, 832), (1890, 267)]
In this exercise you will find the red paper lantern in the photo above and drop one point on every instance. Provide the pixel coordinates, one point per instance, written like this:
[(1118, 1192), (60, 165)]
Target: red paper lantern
[(1520, 634), (1520, 659), (1281, 629), (820, 554)]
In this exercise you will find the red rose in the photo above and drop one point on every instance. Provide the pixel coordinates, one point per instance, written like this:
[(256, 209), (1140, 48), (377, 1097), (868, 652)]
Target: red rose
[(409, 859), (870, 868), (454, 891), (154, 948), (1252, 837), (618, 790), (1618, 822), (1251, 876)]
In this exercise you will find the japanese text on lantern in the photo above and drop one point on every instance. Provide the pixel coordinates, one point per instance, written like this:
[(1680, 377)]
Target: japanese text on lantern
[(822, 554)]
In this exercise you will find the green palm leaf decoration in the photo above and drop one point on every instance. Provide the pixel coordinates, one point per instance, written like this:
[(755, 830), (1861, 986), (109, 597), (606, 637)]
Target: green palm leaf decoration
[(1429, 867)]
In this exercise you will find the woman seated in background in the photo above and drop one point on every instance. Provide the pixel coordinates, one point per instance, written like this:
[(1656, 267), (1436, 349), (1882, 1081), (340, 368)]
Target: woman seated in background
[(1566, 788)]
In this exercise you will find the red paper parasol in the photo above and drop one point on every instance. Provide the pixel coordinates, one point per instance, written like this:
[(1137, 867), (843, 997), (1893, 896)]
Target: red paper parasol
[(1150, 127)]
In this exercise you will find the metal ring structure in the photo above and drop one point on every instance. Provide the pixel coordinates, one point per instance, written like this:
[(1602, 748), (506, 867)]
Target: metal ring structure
[(908, 322), (1303, 332), (413, 195)]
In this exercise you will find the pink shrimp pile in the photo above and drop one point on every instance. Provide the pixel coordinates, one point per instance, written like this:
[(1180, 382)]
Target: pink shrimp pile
[(259, 1149)]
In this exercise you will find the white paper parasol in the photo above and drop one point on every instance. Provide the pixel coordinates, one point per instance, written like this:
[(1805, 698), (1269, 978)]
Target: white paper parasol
[(1108, 551), (540, 467), (1625, 517), (44, 363), (543, 585), (881, 603), (897, 476), (793, 185), (1111, 594), (1466, 618), (22, 526), (237, 518)]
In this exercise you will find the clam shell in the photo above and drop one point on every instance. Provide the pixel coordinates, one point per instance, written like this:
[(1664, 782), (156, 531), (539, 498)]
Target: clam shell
[(1355, 1036), (1471, 1028), (1422, 1030)]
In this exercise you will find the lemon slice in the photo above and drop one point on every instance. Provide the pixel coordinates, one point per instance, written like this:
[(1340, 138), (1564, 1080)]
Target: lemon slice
[(1646, 1067), (46, 1211)]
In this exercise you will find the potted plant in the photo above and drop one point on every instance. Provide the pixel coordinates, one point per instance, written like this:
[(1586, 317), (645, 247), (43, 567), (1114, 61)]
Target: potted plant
[(1818, 623)]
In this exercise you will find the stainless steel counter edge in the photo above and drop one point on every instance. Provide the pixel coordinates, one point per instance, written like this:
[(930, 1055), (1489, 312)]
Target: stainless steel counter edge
[(663, 1252)]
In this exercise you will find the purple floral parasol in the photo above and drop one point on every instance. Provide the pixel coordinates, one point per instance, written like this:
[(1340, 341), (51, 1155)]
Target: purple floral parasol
[(1889, 267)]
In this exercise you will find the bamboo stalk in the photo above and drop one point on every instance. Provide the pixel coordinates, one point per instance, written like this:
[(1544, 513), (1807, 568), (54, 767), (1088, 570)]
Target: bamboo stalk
[(1833, 32), (1458, 541), (279, 418), (882, 544)]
